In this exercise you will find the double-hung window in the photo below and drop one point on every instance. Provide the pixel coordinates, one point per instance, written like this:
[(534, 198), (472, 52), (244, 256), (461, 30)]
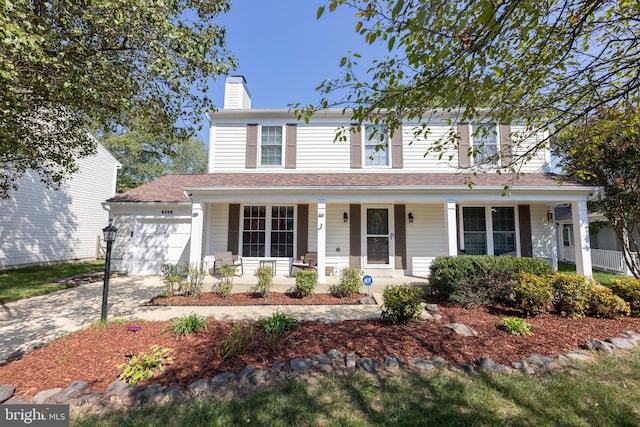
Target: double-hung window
[(489, 231), (376, 145), (485, 144), (271, 146), (267, 231)]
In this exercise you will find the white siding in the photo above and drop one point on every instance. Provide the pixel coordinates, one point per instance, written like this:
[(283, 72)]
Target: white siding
[(39, 225), (317, 151), (228, 148), (218, 228), (337, 249), (541, 232), (425, 237), (537, 161), (122, 245)]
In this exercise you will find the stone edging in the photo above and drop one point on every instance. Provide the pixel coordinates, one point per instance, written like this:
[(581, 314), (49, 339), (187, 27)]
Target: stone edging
[(120, 395)]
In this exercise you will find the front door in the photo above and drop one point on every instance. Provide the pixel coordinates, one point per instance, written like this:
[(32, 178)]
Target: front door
[(378, 237)]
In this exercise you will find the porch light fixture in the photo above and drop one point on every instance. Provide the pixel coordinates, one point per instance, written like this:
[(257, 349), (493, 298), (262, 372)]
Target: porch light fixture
[(410, 217), (549, 215), (109, 237), (345, 217)]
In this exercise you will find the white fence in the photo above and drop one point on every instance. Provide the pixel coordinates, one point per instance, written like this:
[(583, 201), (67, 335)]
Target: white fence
[(600, 258)]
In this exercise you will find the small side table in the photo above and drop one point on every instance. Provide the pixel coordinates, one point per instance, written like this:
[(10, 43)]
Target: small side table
[(271, 263)]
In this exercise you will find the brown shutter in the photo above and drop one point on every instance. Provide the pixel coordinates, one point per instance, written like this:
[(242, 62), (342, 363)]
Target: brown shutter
[(505, 145), (355, 245), (356, 147), (233, 233), (463, 146), (400, 229), (396, 149), (303, 230), (524, 218), (290, 150), (252, 147)]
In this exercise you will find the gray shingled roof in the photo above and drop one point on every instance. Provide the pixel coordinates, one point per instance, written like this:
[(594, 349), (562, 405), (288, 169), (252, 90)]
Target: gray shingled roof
[(170, 188)]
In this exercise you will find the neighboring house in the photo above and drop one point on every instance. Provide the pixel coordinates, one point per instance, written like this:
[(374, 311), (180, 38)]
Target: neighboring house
[(278, 188), (40, 225), (606, 248)]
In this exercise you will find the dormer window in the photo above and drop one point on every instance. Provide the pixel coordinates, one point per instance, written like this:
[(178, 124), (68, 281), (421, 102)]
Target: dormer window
[(271, 146), (376, 146)]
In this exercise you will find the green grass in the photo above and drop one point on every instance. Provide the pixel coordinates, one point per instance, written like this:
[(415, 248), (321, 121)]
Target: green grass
[(32, 281), (603, 277), (603, 393)]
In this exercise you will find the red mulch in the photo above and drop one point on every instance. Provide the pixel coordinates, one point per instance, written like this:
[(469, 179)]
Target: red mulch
[(92, 355)]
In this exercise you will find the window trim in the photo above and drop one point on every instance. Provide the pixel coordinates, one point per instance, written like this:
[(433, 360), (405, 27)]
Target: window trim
[(474, 159), (282, 145), (365, 141), (268, 230), (488, 218)]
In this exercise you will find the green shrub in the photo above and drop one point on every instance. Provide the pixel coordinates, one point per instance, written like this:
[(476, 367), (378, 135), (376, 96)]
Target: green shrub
[(533, 294), (265, 281), (571, 294), (194, 281), (402, 303), (278, 323), (628, 288), (144, 365), (604, 303), (480, 280), (171, 277), (349, 284), (306, 281), (188, 324), (240, 340), (515, 326)]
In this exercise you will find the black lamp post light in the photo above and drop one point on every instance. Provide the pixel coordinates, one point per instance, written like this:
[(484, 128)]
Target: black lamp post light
[(109, 237)]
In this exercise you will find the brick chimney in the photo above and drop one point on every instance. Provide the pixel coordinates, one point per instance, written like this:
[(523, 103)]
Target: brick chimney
[(236, 94)]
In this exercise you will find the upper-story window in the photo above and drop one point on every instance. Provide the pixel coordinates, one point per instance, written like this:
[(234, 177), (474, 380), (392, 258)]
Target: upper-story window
[(485, 144), (271, 146), (376, 146)]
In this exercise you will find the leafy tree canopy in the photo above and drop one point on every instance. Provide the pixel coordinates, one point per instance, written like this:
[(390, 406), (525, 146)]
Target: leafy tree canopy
[(543, 63), (70, 66), (605, 150), (146, 157)]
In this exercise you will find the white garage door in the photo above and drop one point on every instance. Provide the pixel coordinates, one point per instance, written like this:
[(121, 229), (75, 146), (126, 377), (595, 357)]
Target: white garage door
[(156, 242)]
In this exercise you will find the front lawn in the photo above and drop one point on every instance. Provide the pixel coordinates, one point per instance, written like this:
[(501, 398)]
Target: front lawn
[(601, 276), (28, 282)]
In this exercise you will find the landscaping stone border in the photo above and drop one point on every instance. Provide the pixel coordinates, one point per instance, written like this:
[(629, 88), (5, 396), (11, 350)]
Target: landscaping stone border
[(121, 396)]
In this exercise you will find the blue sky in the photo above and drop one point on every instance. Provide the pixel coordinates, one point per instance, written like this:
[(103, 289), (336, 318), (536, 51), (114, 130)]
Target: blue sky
[(283, 51)]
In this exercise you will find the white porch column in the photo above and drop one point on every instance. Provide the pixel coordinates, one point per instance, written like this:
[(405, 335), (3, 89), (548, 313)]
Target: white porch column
[(554, 241), (581, 236), (197, 224), (451, 228), (322, 240)]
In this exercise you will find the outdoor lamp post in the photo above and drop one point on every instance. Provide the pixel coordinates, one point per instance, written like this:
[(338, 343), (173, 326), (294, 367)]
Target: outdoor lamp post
[(109, 237)]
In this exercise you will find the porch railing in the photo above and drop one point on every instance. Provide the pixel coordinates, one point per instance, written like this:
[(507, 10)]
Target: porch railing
[(600, 258)]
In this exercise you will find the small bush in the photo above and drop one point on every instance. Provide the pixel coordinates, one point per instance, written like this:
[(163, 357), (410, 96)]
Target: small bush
[(171, 277), (349, 284), (278, 323), (240, 340), (228, 272), (192, 286), (188, 324), (265, 281), (571, 294), (604, 303), (533, 294), (628, 288), (144, 365), (480, 280), (306, 281), (402, 303), (515, 326)]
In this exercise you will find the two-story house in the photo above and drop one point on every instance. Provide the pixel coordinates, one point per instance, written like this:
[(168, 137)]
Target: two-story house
[(278, 188)]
